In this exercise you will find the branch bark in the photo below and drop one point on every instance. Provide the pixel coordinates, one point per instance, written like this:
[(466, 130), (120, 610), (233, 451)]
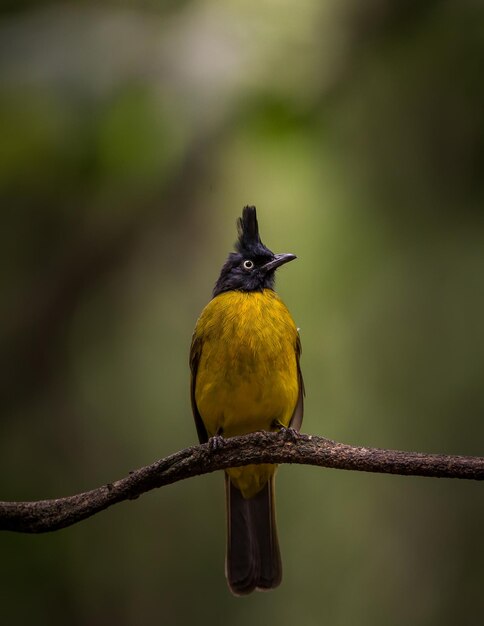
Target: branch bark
[(261, 447)]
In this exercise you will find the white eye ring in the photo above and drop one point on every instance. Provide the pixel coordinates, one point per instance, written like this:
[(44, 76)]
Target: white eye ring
[(248, 264)]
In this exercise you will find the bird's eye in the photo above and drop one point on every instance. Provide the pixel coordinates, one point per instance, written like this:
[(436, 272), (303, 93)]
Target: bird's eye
[(248, 264)]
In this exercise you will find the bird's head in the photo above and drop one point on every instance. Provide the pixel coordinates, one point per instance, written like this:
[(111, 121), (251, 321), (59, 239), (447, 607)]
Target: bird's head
[(252, 267)]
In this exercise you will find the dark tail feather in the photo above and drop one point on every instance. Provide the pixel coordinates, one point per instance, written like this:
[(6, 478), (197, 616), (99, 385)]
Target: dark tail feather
[(253, 557)]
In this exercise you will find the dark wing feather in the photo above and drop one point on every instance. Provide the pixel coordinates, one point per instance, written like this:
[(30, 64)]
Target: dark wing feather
[(195, 353), (297, 416)]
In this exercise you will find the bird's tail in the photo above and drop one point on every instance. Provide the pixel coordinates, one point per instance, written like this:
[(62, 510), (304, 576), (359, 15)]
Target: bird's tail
[(253, 559)]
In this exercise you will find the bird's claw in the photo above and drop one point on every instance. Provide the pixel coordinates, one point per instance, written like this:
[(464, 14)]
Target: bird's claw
[(289, 433), (216, 442)]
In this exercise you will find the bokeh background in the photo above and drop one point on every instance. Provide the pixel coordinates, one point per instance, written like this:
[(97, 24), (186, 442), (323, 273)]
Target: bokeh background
[(131, 135)]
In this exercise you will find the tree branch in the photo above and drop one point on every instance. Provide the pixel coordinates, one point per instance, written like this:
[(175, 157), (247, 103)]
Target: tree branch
[(262, 447)]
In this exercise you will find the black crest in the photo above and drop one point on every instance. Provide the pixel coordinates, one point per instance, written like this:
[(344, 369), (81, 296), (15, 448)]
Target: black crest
[(248, 230)]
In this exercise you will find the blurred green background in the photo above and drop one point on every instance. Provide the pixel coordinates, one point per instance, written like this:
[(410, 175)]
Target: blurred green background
[(131, 135)]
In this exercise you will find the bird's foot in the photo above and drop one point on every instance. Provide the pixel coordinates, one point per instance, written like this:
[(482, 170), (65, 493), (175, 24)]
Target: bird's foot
[(217, 441), (287, 432)]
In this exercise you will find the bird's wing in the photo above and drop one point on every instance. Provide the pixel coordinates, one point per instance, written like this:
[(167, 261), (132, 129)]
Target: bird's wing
[(297, 416), (195, 353)]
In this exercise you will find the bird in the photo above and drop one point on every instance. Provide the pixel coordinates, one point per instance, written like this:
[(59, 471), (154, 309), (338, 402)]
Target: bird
[(246, 377)]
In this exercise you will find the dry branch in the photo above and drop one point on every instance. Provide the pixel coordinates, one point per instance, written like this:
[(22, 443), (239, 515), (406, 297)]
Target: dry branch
[(262, 447)]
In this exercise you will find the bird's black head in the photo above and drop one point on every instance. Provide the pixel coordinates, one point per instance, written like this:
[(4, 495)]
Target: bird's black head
[(253, 266)]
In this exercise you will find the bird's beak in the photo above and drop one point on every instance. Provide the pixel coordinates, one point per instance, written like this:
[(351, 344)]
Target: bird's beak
[(277, 261)]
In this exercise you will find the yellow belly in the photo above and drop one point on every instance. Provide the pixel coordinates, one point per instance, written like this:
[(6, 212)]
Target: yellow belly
[(247, 373)]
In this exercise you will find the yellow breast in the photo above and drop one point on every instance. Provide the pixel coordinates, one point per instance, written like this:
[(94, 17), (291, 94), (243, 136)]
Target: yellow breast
[(247, 374)]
